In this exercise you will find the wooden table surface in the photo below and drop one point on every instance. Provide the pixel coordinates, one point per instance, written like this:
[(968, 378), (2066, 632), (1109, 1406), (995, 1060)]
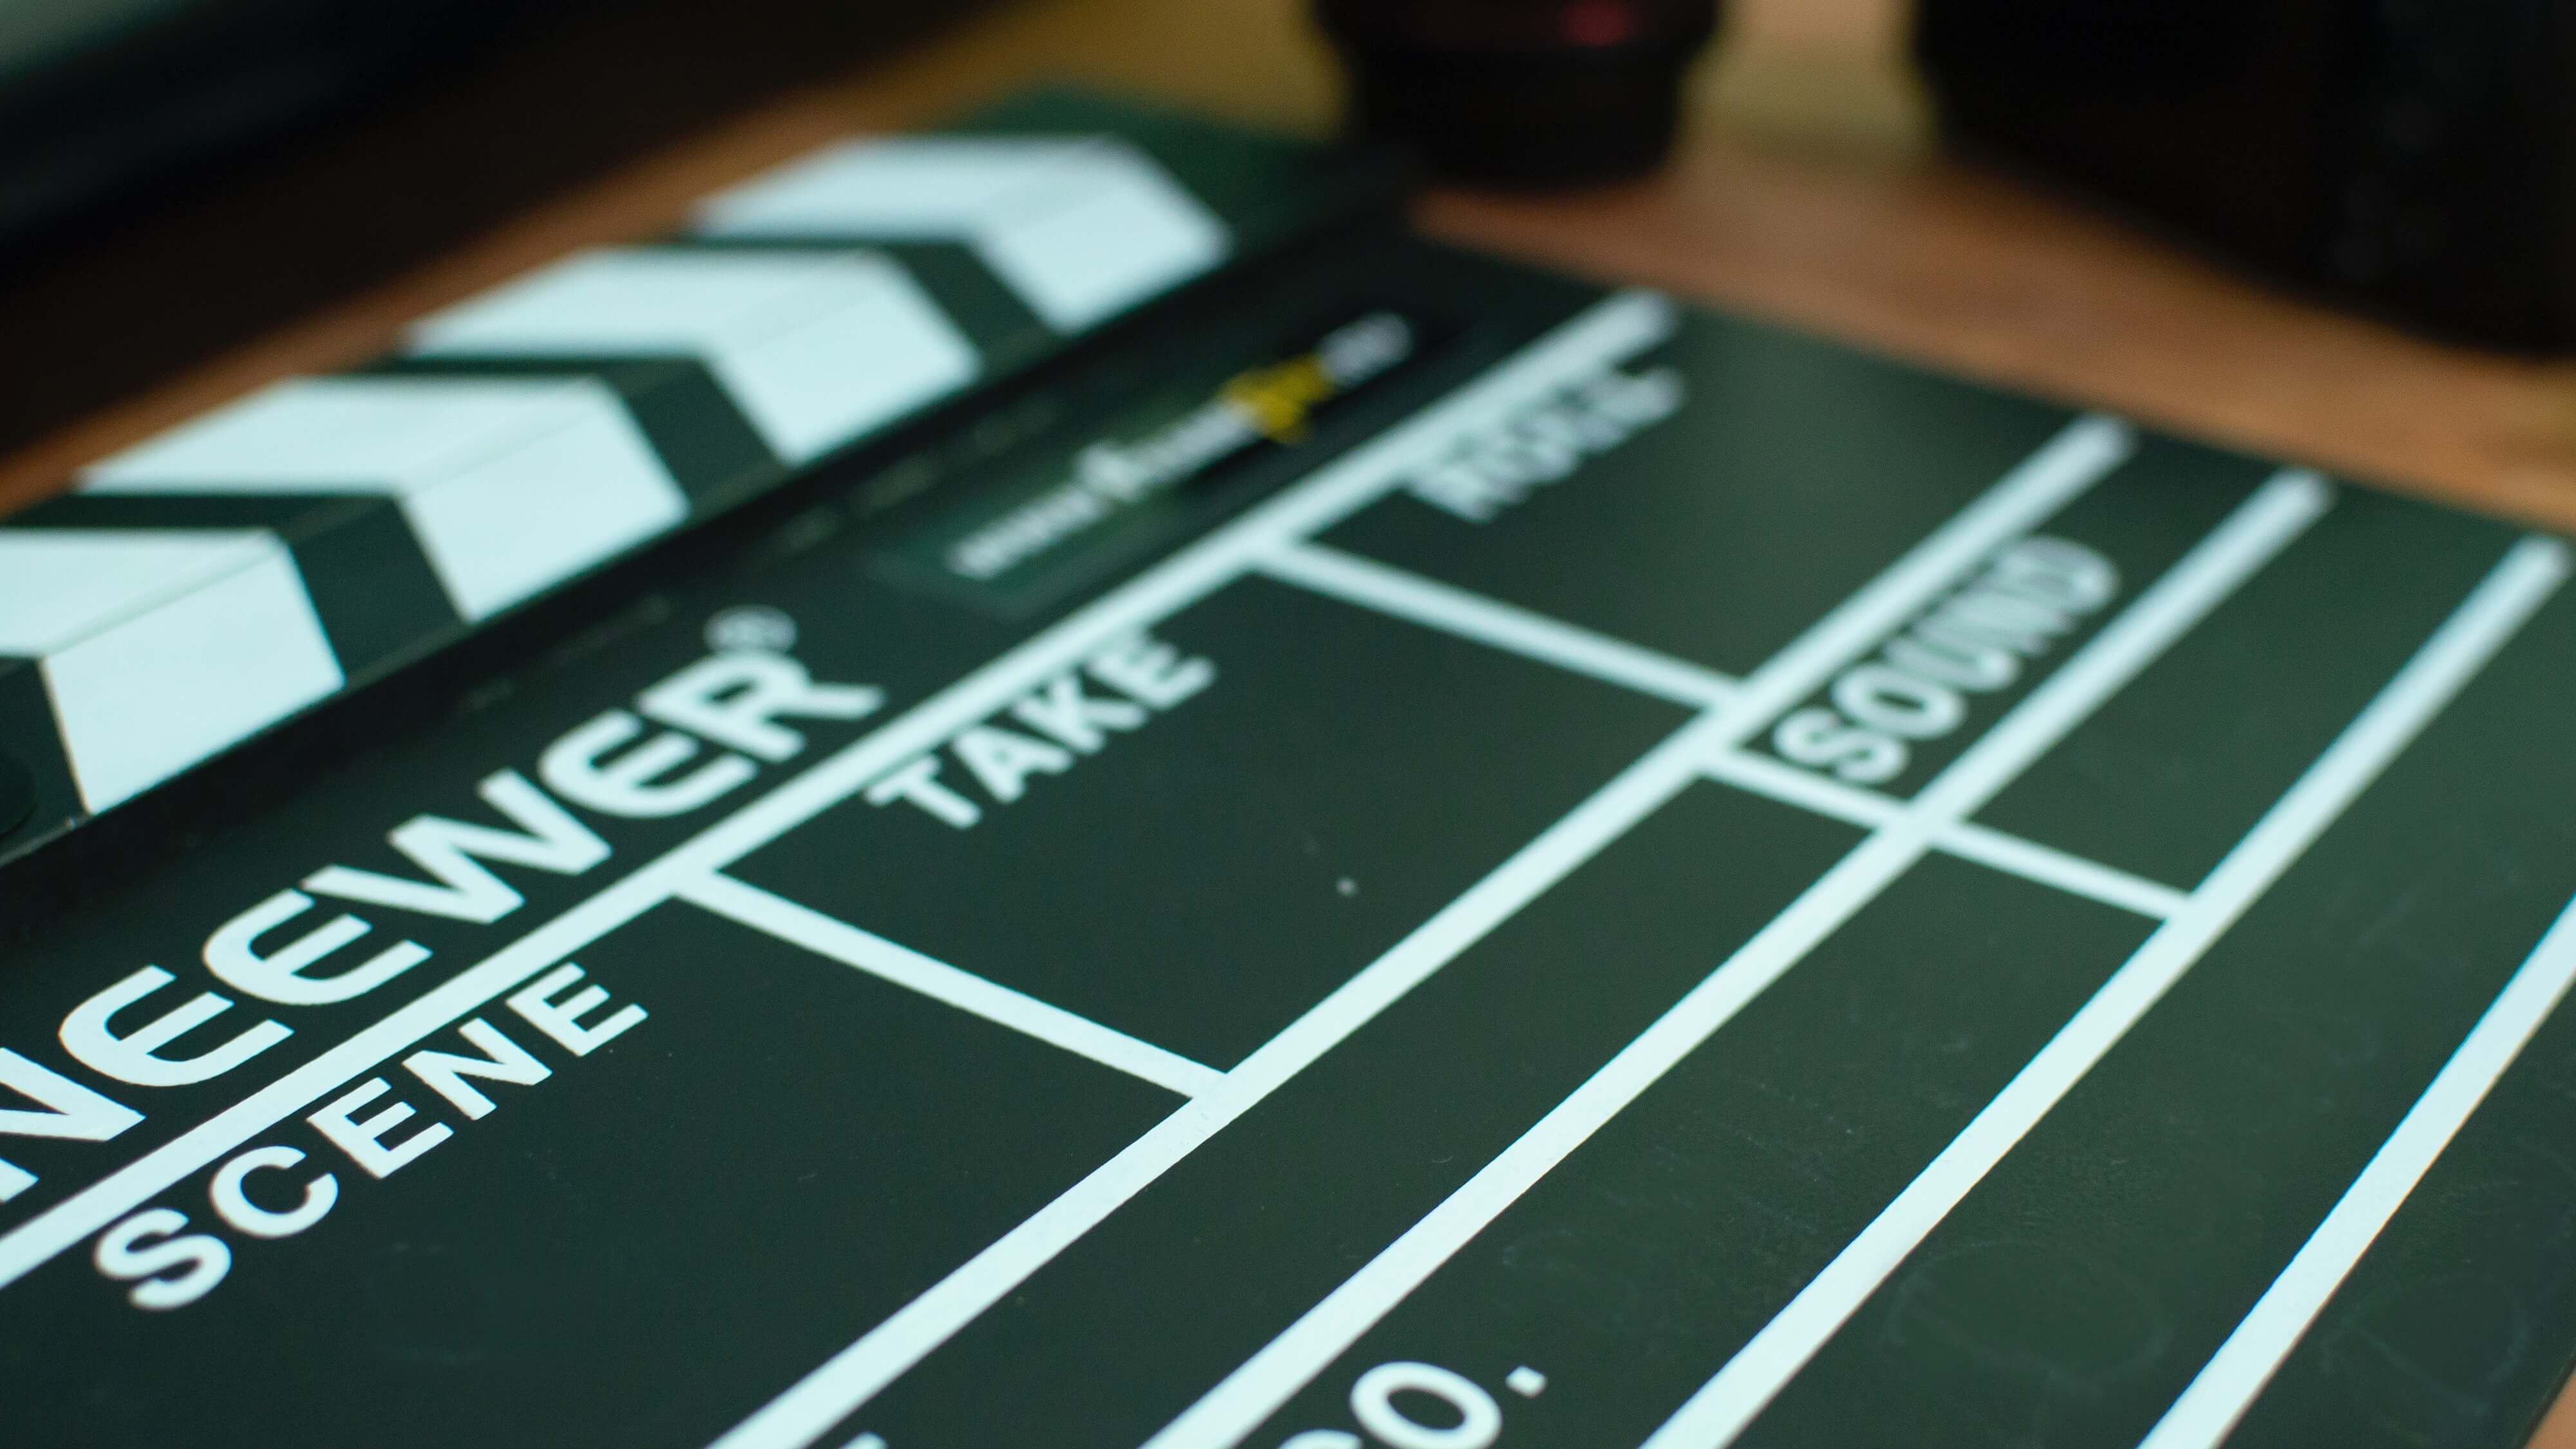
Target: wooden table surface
[(1805, 191)]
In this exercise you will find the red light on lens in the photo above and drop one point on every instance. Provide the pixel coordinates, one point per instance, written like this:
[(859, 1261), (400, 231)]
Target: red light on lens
[(1598, 22)]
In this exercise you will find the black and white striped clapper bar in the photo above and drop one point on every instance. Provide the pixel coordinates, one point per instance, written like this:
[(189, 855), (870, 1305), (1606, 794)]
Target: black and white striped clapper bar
[(252, 563)]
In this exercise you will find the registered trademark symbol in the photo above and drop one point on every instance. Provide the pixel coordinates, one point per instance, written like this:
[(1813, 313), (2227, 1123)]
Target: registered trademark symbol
[(751, 627)]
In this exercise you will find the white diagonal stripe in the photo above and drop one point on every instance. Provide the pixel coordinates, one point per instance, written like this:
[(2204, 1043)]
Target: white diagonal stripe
[(163, 648), (817, 349), (2226, 1386), (918, 187), (59, 586), (1080, 227), (511, 485)]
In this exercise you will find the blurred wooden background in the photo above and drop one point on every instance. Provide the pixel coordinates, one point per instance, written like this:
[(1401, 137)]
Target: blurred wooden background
[(1806, 190)]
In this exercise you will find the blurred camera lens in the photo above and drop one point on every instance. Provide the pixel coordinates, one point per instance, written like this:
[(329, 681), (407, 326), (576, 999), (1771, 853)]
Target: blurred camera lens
[(1522, 92)]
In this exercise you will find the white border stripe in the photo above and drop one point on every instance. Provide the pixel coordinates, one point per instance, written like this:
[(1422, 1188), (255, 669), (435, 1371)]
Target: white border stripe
[(797, 925), (1606, 334), (2258, 530), (1409, 596), (1728, 1402), (2224, 1389)]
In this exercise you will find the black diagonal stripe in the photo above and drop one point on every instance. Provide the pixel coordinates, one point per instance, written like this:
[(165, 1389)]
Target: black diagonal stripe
[(38, 797), (1005, 331), (17, 795), (688, 419), (379, 600)]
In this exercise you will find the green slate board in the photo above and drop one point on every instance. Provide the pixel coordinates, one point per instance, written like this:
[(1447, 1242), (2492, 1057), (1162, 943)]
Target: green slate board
[(1420, 855)]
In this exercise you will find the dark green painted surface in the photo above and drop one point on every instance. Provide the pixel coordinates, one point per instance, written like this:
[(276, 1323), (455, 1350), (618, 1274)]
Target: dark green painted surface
[(1678, 547), (1671, 1237), (2172, 772), (670, 1232), (1436, 1086), (2444, 1334), (2163, 1195), (488, 1265), (1256, 845)]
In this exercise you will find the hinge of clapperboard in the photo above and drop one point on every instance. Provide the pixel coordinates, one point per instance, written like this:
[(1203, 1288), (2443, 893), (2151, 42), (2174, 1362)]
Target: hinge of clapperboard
[(209, 615)]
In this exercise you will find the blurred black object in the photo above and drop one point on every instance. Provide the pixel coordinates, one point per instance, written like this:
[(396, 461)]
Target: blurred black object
[(1521, 92), (183, 175), (2418, 156), (97, 96)]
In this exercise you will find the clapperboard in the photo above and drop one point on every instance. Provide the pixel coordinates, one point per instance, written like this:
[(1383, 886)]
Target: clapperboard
[(1043, 784)]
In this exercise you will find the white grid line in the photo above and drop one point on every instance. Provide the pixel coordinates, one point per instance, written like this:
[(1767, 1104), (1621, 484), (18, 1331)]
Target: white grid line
[(1400, 593), (1786, 783), (1730, 1400), (837, 940), (2250, 537), (2028, 859), (853, 1376), (2064, 468), (1404, 595), (2074, 874)]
